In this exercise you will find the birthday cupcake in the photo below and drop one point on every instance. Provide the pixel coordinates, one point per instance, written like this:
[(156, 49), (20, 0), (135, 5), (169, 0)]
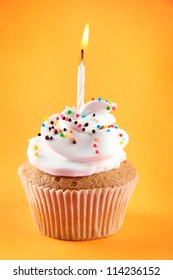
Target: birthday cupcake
[(77, 179)]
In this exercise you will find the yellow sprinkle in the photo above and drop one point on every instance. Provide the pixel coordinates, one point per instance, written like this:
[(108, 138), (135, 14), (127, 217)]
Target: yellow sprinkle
[(55, 122), (121, 142), (45, 118), (110, 102), (36, 154), (66, 135), (35, 147), (105, 126)]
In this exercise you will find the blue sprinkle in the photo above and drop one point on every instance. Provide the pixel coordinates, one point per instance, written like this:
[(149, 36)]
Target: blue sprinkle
[(99, 99), (108, 130), (123, 139), (83, 116), (116, 126), (106, 100), (43, 124), (98, 126)]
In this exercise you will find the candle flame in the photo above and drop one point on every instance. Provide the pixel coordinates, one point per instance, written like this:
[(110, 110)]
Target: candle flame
[(85, 37)]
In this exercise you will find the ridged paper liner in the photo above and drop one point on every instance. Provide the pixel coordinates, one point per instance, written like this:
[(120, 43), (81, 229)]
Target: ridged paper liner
[(78, 214)]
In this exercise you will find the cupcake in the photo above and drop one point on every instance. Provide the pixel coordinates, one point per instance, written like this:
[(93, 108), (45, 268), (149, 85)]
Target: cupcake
[(77, 178)]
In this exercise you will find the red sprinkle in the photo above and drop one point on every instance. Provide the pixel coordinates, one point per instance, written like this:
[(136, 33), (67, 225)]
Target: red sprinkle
[(95, 145), (114, 108), (93, 98), (120, 135), (77, 115), (97, 151), (66, 118), (79, 125), (57, 118)]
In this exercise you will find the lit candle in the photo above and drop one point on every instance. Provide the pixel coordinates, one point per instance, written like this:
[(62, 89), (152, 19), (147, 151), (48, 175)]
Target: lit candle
[(81, 70)]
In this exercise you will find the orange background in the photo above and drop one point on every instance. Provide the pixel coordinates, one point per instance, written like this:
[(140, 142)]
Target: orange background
[(129, 60)]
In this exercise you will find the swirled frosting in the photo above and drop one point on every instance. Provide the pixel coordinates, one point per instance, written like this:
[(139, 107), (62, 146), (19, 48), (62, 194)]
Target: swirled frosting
[(79, 142)]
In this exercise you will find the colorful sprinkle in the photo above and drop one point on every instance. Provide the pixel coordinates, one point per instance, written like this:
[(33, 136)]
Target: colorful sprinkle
[(39, 134), (66, 118), (99, 99), (108, 107), (121, 142), (61, 134), (92, 98), (36, 154), (114, 108), (57, 118), (77, 115), (66, 135), (69, 112), (35, 147), (97, 151), (116, 126), (43, 124), (108, 130), (83, 116), (79, 125), (95, 139), (98, 126), (55, 131), (106, 100), (95, 145), (51, 138), (120, 135), (45, 118), (71, 131)]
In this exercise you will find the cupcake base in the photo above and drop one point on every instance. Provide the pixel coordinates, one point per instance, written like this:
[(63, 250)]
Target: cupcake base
[(78, 214)]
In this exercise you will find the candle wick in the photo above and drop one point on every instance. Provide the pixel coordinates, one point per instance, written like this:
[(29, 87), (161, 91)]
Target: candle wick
[(82, 55)]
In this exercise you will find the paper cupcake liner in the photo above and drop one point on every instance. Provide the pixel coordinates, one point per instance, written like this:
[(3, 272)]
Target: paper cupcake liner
[(78, 214)]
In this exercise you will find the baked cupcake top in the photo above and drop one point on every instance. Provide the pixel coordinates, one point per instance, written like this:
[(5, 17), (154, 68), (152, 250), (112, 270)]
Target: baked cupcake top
[(79, 143)]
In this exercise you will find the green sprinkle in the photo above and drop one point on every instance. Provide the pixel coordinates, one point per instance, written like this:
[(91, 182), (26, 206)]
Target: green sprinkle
[(61, 134), (108, 108), (69, 112)]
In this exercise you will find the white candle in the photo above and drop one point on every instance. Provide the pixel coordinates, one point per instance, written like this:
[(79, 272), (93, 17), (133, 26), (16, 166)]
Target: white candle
[(81, 71), (80, 85)]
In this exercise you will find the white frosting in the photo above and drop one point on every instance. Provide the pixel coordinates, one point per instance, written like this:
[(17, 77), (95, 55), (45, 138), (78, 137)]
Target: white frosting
[(74, 152)]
